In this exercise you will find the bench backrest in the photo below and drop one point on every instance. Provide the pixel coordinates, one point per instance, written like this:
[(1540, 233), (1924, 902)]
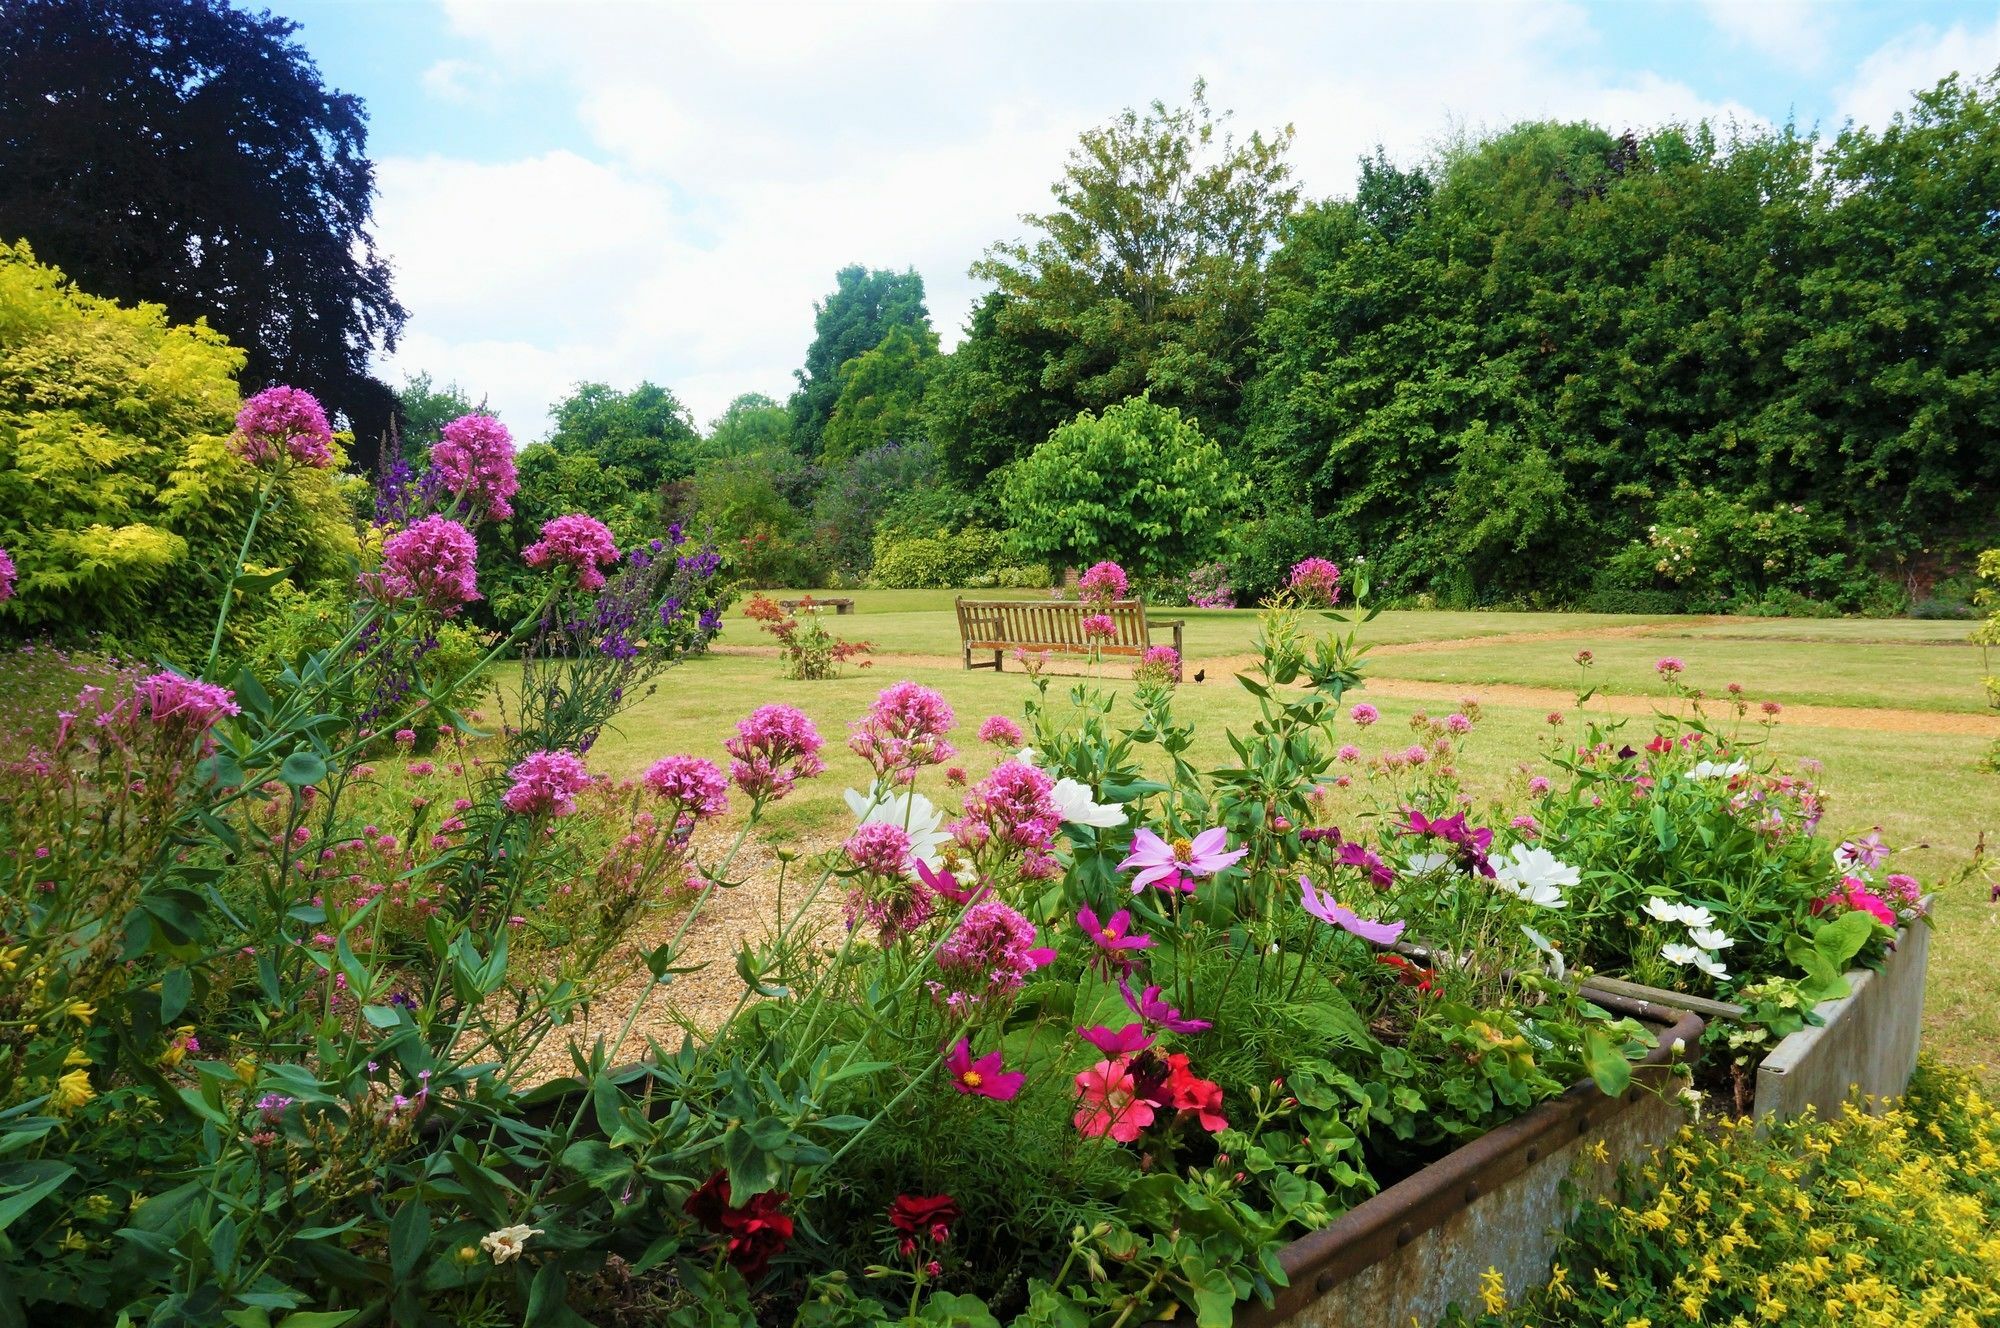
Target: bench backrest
[(1049, 624)]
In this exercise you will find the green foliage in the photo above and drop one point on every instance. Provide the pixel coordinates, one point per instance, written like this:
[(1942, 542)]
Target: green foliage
[(939, 561), (119, 496), (865, 305), (555, 483), (1139, 485), (893, 485), (987, 403), (424, 408), (751, 423), (881, 394), (753, 504), (646, 434)]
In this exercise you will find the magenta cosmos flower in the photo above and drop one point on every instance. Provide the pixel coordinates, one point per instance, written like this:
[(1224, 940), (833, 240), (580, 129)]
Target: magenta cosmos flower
[(1114, 941), (546, 783), (474, 459), (434, 564), (1330, 910), (1178, 864), (774, 746), (1108, 1102), (577, 541), (1153, 1010), (280, 421), (1127, 1041), (982, 1077)]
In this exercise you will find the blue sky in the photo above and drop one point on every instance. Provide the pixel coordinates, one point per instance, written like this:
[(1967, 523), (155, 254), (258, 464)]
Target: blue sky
[(577, 190)]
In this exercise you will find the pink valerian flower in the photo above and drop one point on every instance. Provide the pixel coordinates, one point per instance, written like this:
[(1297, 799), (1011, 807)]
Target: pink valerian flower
[(1117, 1044), (1103, 583), (981, 1077), (1854, 895), (434, 563), (1099, 627), (992, 949), (1668, 666), (1001, 732), (1184, 860), (1902, 889), (282, 421), (1315, 581), (1160, 662), (774, 747), (1330, 910), (894, 906), (577, 541), (1108, 1102), (698, 786), (183, 707), (1363, 714), (8, 575), (903, 730), (1013, 807), (546, 783), (1149, 1007), (1114, 944), (474, 459), (1468, 844), (879, 848)]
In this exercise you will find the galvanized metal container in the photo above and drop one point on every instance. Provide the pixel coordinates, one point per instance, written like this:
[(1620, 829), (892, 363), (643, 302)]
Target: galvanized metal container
[(1867, 1043)]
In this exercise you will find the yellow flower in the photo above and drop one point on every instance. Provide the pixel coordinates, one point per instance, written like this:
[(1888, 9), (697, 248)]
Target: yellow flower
[(71, 1091), (81, 1011), (1493, 1291)]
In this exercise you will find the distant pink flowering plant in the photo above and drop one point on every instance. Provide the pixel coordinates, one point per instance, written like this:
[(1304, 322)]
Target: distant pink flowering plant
[(577, 541), (697, 786), (7, 576), (546, 784), (773, 748), (474, 459), (184, 707), (1315, 581), (284, 421), (433, 564), (1103, 583), (1001, 732)]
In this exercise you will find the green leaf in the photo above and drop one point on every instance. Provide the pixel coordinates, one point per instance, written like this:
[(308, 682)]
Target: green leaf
[(317, 1318), (1605, 1061), (409, 1237), (176, 990), (14, 1205), (302, 768)]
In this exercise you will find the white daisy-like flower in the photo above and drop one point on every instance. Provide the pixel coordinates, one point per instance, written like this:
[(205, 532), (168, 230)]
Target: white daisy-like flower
[(1073, 799), (1711, 938), (1661, 911), (1683, 955), (1029, 756), (1695, 917), (913, 813), (506, 1243), (1711, 965), (1423, 864), (1536, 875), (1557, 964), (1717, 770)]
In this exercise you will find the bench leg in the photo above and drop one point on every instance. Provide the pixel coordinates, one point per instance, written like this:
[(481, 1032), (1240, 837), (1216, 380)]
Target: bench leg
[(996, 663)]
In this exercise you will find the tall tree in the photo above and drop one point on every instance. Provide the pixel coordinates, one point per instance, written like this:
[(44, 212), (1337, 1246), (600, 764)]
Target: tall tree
[(187, 153), (881, 394), (865, 304), (752, 422), (645, 433), (424, 408)]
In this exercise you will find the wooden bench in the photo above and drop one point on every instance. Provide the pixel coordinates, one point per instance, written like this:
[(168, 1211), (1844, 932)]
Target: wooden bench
[(1056, 626), (840, 607)]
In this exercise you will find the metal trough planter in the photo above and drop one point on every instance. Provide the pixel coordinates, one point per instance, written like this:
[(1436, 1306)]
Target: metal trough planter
[(1867, 1043), (1499, 1202)]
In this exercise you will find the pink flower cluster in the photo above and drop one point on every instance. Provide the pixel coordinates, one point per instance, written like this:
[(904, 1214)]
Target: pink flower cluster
[(1103, 583), (774, 747), (904, 730), (992, 950), (281, 420), (7, 576), (474, 457), (1315, 581), (880, 848), (1013, 806), (578, 541), (1162, 662), (1099, 627), (434, 563), (888, 898), (1854, 895), (546, 783), (182, 706), (1000, 731), (1124, 1095), (697, 785)]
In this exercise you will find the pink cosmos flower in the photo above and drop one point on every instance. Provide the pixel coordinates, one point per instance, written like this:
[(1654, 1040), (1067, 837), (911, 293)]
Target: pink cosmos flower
[(944, 884), (577, 541), (7, 576), (1469, 844), (1001, 732), (1113, 940), (1104, 582), (1153, 1010), (1120, 1044), (184, 706), (1316, 581), (903, 730), (434, 563), (474, 459), (546, 783), (1365, 860), (280, 421), (992, 949), (1109, 1103), (1868, 851), (1363, 714), (1157, 860), (1328, 909), (982, 1077), (774, 747), (697, 785)]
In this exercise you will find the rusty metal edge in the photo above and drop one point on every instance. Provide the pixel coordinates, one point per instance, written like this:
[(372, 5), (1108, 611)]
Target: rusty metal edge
[(1369, 1232)]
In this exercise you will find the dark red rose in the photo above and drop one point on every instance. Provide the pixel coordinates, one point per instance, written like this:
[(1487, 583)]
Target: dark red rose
[(707, 1204), (757, 1232), (928, 1216)]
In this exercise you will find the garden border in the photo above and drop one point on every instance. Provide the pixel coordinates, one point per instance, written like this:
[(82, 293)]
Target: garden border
[(1867, 1043)]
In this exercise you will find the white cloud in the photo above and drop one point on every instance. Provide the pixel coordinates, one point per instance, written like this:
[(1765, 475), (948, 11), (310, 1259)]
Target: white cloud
[(1795, 33), (459, 81), (736, 156), (1916, 60)]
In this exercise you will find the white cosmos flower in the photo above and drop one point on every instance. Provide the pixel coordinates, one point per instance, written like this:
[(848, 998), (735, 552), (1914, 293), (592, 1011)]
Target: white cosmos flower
[(1680, 954), (1423, 864), (1661, 911), (1694, 916), (1536, 875), (1029, 756), (1710, 938), (1073, 800), (911, 812), (1557, 964), (1717, 770), (1711, 965), (506, 1243)]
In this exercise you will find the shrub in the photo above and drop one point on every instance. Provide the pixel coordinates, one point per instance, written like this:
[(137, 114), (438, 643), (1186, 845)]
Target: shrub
[(810, 651), (937, 562), (1263, 552), (1208, 587)]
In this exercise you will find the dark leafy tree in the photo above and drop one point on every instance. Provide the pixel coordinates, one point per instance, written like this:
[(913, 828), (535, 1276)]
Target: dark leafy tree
[(187, 153), (646, 434), (850, 322), (986, 402)]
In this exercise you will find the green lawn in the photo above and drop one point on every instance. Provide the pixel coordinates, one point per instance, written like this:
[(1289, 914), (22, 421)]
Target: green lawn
[(1926, 790)]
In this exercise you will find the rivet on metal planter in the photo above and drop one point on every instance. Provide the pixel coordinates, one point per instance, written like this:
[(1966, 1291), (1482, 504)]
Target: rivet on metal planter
[(1472, 1191)]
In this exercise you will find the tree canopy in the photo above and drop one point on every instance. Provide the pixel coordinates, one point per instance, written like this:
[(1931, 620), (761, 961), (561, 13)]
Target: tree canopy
[(882, 394), (865, 304), (189, 154), (752, 422), (646, 433)]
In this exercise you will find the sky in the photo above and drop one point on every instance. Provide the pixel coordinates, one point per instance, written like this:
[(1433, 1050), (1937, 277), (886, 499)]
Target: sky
[(576, 190)]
